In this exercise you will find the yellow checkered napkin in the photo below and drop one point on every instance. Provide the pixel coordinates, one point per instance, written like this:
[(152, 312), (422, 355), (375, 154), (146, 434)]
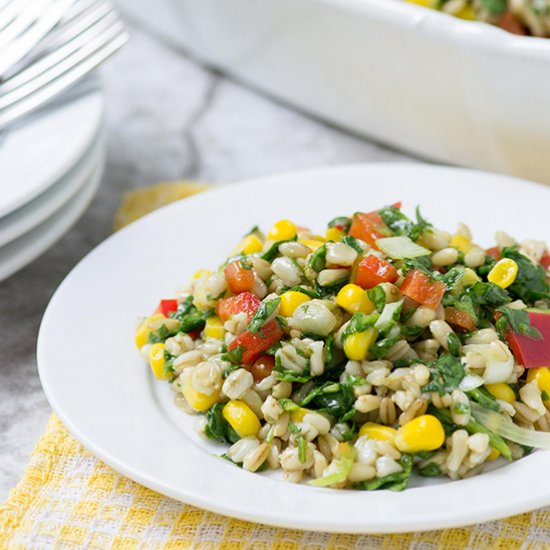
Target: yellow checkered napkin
[(70, 499)]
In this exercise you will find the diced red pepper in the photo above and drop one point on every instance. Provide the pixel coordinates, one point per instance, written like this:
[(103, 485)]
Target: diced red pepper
[(545, 261), (459, 319), (253, 345), (397, 204), (195, 333), (372, 271), (495, 252), (368, 227), (530, 352), (245, 301), (418, 287), (238, 278), (166, 307)]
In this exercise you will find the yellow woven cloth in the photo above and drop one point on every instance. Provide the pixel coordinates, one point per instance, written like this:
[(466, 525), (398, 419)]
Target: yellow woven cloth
[(70, 499)]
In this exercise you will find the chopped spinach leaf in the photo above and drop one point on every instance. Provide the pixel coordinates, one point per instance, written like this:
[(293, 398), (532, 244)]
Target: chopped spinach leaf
[(262, 314), (401, 224), (360, 322), (453, 343), (394, 482), (234, 356), (516, 321), (217, 426), (270, 254), (431, 469), (446, 373), (352, 241), (318, 260), (531, 283), (380, 349), (377, 296), (189, 316)]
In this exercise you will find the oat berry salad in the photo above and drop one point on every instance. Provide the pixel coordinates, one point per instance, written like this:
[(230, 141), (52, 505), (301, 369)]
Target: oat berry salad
[(353, 358)]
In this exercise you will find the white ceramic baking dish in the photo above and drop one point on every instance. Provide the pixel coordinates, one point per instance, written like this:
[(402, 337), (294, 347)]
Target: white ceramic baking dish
[(419, 80)]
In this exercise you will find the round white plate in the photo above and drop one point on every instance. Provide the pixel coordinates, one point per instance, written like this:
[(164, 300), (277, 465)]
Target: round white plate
[(23, 250), (39, 209), (42, 148), (104, 392)]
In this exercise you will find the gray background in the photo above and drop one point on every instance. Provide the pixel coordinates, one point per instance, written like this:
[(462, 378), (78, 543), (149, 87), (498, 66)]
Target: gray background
[(169, 118)]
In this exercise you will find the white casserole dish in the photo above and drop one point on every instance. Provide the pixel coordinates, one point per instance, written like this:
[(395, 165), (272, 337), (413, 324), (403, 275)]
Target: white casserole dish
[(416, 79)]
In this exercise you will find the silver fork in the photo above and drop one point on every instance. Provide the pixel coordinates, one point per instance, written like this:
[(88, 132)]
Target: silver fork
[(87, 40), (23, 23)]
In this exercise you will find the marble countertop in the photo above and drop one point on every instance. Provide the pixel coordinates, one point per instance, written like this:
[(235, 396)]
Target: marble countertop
[(169, 118)]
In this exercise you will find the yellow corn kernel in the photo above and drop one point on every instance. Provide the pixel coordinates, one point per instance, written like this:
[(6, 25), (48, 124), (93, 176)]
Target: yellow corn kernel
[(282, 230), (542, 376), (503, 273), (356, 346), (249, 245), (354, 299), (241, 418), (156, 360), (467, 12), (290, 301), (312, 243), (143, 331), (494, 455), (424, 3), (214, 328), (424, 433), (198, 401), (298, 415), (501, 391), (202, 273), (335, 234), (378, 431), (461, 243)]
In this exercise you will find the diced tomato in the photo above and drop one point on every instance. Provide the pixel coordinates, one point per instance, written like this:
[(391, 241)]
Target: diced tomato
[(530, 352), (397, 204), (372, 271), (368, 227), (239, 278), (494, 251), (418, 287), (245, 301), (166, 307), (262, 367), (509, 22), (253, 345), (195, 333), (459, 319), (545, 261)]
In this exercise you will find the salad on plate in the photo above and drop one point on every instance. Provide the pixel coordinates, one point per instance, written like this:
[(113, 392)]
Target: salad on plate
[(353, 359)]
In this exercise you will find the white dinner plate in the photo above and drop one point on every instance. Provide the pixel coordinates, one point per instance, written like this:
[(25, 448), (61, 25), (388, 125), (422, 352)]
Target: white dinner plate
[(23, 250), (42, 148), (105, 394), (39, 209)]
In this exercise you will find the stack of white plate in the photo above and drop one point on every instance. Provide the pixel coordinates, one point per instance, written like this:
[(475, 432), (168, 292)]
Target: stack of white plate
[(50, 168)]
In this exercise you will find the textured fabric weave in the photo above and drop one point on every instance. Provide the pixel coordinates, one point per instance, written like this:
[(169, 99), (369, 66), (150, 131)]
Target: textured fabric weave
[(70, 499)]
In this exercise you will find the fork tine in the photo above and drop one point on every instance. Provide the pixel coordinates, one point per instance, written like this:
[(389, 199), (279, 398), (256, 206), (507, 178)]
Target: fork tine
[(77, 35), (32, 34), (80, 67), (85, 47), (11, 11)]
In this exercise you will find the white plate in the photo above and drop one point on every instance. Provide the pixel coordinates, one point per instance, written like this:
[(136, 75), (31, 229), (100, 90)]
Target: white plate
[(41, 149), (23, 250), (39, 209), (104, 393)]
